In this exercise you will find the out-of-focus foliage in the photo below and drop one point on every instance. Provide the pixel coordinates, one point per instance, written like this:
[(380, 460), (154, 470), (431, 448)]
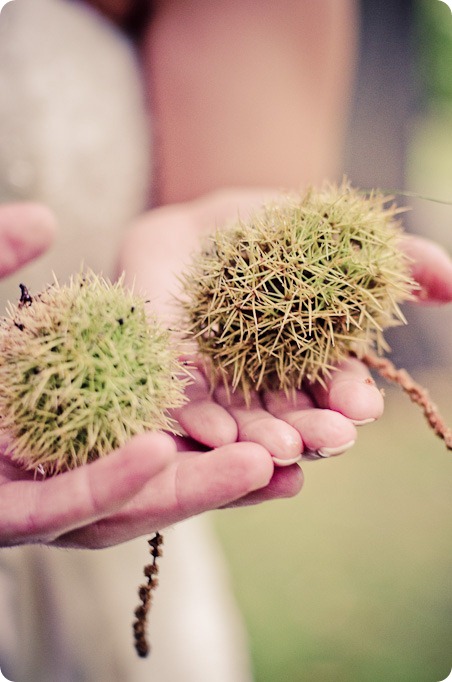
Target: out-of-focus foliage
[(433, 21)]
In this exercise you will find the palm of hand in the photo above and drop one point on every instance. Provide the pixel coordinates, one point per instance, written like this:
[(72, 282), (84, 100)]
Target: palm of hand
[(157, 480)]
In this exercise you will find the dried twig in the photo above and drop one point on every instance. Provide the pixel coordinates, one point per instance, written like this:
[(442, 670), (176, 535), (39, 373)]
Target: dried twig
[(144, 593), (418, 394)]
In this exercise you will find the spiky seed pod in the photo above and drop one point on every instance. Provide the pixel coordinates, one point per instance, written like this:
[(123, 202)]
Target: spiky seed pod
[(297, 288), (82, 369)]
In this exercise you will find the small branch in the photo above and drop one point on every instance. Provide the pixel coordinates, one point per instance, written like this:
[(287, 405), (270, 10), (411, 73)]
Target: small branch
[(145, 595), (417, 394)]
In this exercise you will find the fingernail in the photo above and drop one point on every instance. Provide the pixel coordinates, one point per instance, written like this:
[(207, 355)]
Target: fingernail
[(286, 462), (331, 452), (361, 422)]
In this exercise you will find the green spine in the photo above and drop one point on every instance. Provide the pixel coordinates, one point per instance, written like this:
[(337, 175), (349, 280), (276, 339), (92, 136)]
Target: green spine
[(83, 368)]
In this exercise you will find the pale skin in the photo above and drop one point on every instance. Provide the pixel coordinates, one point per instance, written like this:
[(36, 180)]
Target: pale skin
[(203, 143)]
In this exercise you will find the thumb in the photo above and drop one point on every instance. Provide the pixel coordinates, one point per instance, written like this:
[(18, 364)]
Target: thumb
[(431, 268), (26, 231)]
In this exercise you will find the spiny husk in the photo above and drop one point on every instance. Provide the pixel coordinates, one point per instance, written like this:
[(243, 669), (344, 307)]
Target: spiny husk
[(305, 282), (82, 369)]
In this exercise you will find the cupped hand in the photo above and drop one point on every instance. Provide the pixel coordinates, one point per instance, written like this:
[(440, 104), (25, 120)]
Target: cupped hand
[(183, 481), (41, 511), (229, 455), (319, 423), (316, 423), (141, 488)]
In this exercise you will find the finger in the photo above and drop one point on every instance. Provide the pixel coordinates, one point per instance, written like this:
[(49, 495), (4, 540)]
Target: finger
[(431, 268), (285, 482), (39, 511), (257, 425), (202, 418), (351, 391), (323, 431), (26, 231), (228, 474), (192, 485)]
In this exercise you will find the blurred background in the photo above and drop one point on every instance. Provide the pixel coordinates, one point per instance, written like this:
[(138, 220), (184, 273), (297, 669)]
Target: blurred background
[(352, 580)]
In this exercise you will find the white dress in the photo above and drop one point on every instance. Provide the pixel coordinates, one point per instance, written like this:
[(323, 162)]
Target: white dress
[(73, 134)]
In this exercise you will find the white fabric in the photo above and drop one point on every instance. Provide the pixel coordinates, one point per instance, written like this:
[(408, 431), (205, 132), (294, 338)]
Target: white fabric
[(73, 134), (66, 616)]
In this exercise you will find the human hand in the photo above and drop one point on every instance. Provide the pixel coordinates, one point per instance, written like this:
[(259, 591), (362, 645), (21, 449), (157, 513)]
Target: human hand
[(182, 481), (318, 423), (432, 269), (26, 231), (144, 486), (156, 480), (349, 391), (33, 510)]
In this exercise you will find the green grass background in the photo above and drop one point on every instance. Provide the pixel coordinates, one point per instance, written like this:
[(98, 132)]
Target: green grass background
[(351, 581)]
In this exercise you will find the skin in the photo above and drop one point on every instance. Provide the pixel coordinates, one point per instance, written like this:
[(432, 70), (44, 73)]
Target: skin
[(26, 231), (149, 484), (241, 98), (202, 111), (130, 492), (164, 238)]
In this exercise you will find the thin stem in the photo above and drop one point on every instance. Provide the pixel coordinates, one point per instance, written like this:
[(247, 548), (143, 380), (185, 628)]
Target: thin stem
[(418, 394)]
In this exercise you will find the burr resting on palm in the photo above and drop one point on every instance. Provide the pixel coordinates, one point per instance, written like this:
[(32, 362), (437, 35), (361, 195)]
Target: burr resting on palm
[(82, 370), (278, 301)]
